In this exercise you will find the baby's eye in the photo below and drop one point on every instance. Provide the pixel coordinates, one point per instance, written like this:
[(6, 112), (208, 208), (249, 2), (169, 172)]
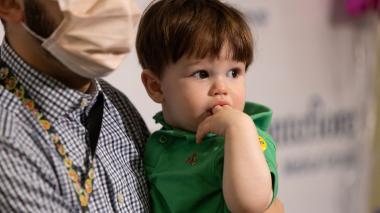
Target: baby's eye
[(201, 74), (232, 73)]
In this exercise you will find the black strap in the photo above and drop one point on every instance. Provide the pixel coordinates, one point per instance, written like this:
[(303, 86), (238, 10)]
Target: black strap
[(94, 123)]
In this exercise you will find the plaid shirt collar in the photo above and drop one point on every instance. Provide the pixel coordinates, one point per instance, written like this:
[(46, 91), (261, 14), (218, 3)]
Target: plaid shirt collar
[(53, 97)]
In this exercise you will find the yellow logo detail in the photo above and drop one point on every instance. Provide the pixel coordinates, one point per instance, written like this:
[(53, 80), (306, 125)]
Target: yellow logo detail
[(263, 144)]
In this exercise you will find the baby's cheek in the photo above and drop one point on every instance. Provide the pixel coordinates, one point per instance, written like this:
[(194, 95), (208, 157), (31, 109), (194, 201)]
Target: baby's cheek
[(240, 102)]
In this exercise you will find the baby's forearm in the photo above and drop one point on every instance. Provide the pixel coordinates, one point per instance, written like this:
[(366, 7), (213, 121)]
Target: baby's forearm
[(246, 177)]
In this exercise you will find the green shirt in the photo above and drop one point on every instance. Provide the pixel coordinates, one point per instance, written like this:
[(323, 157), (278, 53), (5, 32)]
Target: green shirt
[(187, 177)]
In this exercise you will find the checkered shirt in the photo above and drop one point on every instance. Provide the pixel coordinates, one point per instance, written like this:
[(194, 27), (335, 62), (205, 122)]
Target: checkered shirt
[(33, 177)]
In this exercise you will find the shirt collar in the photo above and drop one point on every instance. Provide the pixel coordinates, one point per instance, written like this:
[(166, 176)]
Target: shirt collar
[(260, 114), (53, 97)]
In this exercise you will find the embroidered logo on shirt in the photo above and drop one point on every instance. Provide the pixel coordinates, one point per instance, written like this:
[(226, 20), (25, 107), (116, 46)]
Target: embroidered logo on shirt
[(192, 159), (263, 144)]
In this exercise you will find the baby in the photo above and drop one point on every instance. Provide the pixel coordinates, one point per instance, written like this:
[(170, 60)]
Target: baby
[(212, 153)]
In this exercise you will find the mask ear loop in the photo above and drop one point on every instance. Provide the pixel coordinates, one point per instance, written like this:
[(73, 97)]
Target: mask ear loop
[(40, 38), (33, 33)]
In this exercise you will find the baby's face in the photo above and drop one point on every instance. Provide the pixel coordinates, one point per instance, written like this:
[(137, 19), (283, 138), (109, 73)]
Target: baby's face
[(192, 87)]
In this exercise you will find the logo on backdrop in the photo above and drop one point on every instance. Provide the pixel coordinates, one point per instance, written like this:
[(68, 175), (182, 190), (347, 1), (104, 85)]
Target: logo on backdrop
[(318, 139), (315, 124)]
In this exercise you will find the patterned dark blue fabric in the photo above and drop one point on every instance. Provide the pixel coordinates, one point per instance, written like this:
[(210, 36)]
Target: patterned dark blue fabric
[(33, 177)]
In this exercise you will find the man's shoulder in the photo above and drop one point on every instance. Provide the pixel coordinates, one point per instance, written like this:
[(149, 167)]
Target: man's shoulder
[(20, 133), (118, 98), (131, 118), (108, 89), (9, 115), (9, 124), (17, 127)]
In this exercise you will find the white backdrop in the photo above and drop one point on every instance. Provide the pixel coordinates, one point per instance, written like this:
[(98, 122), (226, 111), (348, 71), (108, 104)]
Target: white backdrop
[(314, 68)]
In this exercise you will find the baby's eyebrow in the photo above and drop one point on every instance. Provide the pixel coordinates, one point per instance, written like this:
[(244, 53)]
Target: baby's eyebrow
[(192, 62)]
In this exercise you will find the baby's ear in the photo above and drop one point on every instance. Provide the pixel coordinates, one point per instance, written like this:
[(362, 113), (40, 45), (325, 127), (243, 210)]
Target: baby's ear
[(152, 85)]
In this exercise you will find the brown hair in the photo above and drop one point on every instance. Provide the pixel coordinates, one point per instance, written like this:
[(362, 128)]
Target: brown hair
[(170, 29)]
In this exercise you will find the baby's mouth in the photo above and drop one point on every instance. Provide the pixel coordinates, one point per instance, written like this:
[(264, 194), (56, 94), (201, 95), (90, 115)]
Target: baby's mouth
[(221, 103), (209, 111)]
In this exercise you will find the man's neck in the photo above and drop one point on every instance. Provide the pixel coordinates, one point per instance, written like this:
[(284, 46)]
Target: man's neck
[(31, 51)]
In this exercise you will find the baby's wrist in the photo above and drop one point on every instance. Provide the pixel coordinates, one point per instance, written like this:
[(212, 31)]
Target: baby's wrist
[(244, 126)]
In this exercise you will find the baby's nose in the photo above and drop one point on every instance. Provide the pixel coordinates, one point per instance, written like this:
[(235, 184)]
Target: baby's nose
[(218, 88)]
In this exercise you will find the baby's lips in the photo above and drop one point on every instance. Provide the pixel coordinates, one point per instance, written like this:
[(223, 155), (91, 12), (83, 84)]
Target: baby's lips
[(221, 103), (218, 105)]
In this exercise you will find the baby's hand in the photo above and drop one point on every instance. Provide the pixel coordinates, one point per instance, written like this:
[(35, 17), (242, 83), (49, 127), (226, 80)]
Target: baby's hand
[(223, 121)]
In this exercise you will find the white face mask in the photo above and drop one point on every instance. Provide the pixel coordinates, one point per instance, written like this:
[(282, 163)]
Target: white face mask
[(94, 36)]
